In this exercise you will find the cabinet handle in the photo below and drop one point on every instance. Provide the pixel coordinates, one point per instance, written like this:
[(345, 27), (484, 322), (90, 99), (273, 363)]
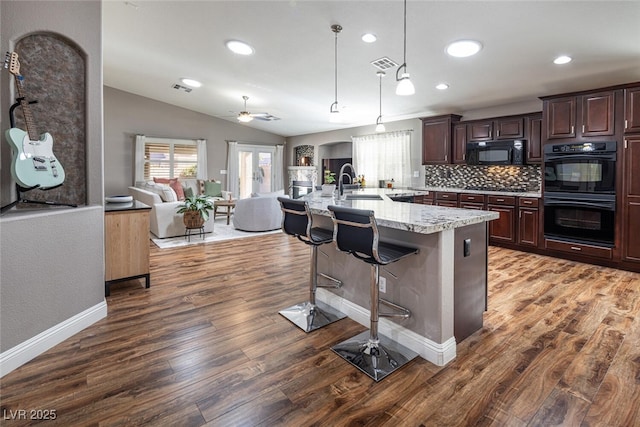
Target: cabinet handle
[(626, 124), (526, 202), (490, 134), (499, 200), (497, 133), (572, 129), (575, 248), (471, 198), (625, 143), (582, 128)]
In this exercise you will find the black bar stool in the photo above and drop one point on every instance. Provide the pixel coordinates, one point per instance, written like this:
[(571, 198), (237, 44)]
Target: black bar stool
[(356, 232), (297, 221)]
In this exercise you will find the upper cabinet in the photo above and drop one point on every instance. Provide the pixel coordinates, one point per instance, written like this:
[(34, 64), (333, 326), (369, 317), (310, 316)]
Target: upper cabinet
[(632, 110), (502, 128), (533, 127), (437, 139), (580, 116)]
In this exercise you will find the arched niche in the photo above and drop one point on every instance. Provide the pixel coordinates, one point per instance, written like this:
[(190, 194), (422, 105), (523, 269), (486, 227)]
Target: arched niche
[(54, 71)]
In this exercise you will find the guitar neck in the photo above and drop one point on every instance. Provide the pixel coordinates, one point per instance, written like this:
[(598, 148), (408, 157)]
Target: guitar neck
[(26, 111)]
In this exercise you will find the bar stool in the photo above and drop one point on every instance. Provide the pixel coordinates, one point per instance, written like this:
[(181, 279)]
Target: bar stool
[(356, 232), (297, 221)]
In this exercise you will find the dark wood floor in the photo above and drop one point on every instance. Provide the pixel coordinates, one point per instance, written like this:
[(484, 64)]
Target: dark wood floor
[(206, 346)]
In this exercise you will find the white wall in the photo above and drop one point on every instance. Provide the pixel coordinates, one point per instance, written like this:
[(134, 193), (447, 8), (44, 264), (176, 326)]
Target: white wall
[(52, 260), (126, 115)]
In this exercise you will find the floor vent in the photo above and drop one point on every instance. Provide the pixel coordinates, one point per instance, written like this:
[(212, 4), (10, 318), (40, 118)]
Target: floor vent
[(384, 63), (180, 87)]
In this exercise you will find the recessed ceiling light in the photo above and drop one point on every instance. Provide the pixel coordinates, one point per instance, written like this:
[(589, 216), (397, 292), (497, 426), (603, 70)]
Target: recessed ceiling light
[(442, 86), (191, 82), (463, 48), (562, 60), (241, 48), (369, 38)]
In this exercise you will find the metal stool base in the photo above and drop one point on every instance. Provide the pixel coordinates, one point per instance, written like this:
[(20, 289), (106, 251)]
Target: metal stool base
[(309, 317), (377, 361)]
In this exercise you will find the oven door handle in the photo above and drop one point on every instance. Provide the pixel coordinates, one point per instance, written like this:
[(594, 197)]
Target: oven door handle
[(599, 156), (611, 206)]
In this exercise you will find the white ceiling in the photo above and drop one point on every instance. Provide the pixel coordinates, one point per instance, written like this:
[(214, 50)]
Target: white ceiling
[(148, 48)]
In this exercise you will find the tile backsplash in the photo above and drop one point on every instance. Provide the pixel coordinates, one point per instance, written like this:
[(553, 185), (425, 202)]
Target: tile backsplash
[(460, 176)]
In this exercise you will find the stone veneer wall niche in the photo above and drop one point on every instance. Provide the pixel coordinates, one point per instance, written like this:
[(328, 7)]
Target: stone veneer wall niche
[(54, 75), (304, 154), (460, 176)]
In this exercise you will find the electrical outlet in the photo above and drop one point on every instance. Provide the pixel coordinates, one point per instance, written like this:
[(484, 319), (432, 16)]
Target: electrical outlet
[(382, 284), (416, 174), (223, 172)]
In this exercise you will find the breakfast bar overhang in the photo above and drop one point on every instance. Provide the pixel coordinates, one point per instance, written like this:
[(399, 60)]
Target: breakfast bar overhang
[(444, 285)]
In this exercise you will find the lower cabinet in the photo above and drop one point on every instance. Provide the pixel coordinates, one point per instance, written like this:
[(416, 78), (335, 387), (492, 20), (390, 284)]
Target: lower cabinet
[(528, 222), (502, 229)]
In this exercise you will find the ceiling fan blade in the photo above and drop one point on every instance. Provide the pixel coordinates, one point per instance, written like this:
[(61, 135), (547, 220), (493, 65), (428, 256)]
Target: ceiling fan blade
[(267, 117)]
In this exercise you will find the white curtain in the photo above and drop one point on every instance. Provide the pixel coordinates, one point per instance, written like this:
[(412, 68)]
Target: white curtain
[(383, 156), (232, 169), (201, 170), (138, 165), (278, 167)]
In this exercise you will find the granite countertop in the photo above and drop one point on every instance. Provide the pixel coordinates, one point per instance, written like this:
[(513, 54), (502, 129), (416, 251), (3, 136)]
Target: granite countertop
[(533, 194), (417, 218)]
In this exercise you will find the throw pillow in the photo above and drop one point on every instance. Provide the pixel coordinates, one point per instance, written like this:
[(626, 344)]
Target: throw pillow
[(174, 184), (188, 192), (213, 189), (200, 183)]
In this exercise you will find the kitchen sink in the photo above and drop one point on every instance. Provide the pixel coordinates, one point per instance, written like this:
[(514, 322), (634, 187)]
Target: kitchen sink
[(363, 197)]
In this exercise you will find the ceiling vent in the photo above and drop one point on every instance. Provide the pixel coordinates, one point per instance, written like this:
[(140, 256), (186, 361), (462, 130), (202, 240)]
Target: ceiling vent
[(384, 63), (180, 87)]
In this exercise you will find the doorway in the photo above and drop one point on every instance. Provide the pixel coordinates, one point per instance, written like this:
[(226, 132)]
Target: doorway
[(255, 170)]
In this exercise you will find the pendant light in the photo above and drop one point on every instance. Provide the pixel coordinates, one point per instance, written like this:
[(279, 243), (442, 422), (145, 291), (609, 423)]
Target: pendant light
[(405, 87), (334, 113), (379, 125)]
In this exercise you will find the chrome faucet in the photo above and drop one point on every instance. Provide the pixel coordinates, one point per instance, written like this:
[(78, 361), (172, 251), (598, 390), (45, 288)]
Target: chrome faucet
[(341, 174)]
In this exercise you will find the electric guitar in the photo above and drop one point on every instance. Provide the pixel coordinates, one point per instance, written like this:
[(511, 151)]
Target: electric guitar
[(33, 163)]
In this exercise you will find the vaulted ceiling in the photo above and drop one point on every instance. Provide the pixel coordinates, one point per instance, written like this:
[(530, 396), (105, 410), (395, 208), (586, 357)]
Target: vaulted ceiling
[(150, 45)]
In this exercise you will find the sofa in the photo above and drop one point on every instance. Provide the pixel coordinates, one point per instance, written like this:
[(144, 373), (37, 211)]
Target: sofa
[(164, 219), (260, 212)]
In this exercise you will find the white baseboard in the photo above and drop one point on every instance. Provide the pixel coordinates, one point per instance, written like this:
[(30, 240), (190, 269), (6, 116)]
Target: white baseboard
[(436, 353), (33, 347)]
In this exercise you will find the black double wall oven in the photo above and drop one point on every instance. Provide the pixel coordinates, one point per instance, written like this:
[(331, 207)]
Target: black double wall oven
[(580, 192)]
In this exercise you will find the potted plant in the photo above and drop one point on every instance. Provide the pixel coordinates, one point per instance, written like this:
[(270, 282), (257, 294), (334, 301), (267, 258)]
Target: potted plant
[(195, 210), (329, 177)]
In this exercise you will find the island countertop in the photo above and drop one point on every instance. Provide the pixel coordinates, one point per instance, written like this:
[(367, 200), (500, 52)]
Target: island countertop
[(417, 218)]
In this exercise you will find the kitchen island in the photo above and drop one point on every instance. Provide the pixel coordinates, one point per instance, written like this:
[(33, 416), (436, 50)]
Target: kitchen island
[(444, 286)]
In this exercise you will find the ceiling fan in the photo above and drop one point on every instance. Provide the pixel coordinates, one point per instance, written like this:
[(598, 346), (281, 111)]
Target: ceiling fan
[(245, 116)]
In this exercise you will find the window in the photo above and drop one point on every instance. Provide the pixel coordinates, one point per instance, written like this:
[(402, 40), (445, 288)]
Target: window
[(383, 156), (170, 158)]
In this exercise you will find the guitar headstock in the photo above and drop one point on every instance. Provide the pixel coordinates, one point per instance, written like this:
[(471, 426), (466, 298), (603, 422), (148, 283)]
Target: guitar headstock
[(11, 62)]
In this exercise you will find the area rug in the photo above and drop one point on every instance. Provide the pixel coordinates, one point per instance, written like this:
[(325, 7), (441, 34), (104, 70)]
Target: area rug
[(221, 232)]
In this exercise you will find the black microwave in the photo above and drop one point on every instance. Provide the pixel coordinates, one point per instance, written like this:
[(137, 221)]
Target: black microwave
[(505, 152)]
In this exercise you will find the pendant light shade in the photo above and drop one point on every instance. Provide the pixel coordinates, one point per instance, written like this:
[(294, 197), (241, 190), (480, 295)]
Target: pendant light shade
[(379, 125), (405, 86), (334, 112)]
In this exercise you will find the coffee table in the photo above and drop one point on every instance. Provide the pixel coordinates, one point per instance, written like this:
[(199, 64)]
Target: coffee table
[(228, 204)]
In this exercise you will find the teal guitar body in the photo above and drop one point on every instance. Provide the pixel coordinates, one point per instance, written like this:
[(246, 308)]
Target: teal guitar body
[(33, 163)]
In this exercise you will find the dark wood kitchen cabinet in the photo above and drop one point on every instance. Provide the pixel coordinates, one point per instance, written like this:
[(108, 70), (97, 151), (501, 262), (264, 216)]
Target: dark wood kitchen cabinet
[(471, 201), (500, 128), (589, 115), (632, 110), (437, 139), (503, 229), (447, 199), (459, 144), (528, 221), (631, 200), (533, 136)]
